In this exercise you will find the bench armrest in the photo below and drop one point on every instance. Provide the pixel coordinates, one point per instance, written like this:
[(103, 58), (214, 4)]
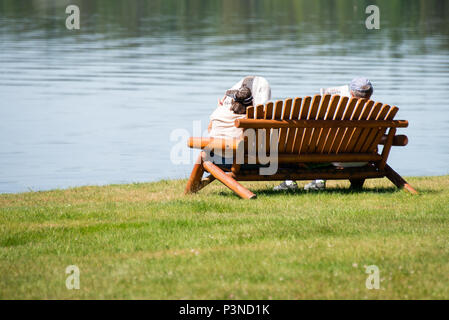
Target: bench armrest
[(213, 143), (398, 140)]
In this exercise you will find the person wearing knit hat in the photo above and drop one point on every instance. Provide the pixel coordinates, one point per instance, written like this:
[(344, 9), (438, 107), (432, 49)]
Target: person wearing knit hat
[(361, 88)]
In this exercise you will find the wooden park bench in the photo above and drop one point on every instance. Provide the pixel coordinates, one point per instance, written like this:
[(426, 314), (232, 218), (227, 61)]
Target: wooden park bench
[(309, 131)]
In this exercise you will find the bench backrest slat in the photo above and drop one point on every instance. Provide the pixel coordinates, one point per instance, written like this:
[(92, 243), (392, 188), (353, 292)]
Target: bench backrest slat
[(292, 131), (250, 113), (277, 115), (268, 115), (283, 132), (260, 112)]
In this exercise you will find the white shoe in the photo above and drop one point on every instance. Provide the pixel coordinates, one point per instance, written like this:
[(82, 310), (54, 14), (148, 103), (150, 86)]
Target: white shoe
[(315, 185), (286, 185)]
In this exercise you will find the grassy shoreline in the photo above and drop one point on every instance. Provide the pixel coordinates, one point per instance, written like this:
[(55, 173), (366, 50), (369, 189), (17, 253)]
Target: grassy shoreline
[(149, 241)]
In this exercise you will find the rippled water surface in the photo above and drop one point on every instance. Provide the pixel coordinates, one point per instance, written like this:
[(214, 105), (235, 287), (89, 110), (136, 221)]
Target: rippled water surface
[(97, 105)]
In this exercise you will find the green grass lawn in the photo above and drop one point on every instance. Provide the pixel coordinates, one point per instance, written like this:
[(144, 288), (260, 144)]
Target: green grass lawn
[(150, 241)]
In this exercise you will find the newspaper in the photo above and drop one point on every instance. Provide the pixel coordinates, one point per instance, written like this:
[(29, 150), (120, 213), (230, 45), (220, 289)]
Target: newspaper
[(341, 91)]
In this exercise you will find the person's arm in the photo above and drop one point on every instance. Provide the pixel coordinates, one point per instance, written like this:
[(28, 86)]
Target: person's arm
[(209, 128)]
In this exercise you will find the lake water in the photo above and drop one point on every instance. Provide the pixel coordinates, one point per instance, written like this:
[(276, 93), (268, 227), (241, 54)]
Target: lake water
[(97, 105)]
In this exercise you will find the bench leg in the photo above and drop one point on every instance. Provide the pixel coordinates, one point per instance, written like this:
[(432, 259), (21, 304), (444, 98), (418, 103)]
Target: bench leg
[(206, 181), (194, 183), (398, 181), (228, 181), (357, 184)]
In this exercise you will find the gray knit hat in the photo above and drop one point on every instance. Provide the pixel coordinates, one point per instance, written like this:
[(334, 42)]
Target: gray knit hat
[(361, 85)]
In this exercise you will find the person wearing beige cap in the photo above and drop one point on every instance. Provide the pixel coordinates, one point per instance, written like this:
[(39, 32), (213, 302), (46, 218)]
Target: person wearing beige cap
[(358, 88)]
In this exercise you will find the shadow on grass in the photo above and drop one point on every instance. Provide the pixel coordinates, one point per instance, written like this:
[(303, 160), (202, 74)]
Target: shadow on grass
[(302, 192), (332, 191)]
